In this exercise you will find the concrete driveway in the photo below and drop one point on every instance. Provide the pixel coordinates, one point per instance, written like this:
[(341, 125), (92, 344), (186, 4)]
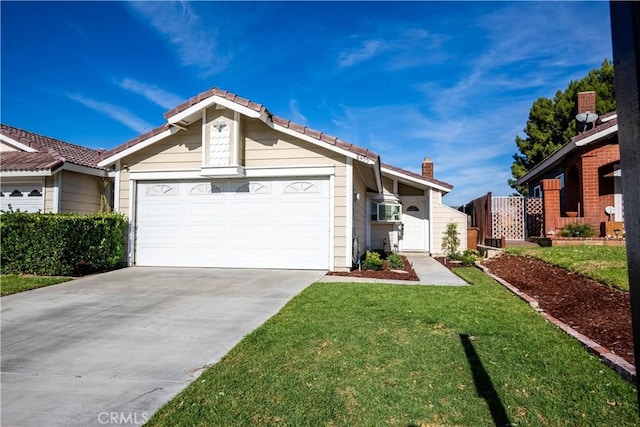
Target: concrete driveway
[(111, 349)]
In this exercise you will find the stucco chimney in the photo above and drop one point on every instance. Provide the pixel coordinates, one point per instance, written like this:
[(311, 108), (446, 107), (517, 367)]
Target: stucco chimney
[(427, 167), (586, 102)]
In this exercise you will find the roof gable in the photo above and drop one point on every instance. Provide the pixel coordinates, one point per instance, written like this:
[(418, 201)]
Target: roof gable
[(417, 178), (190, 111)]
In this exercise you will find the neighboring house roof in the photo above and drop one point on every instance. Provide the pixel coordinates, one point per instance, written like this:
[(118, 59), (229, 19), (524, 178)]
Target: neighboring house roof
[(39, 152), (187, 110), (607, 126)]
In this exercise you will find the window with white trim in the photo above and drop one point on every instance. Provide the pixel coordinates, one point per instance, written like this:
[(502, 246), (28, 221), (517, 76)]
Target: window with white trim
[(385, 211)]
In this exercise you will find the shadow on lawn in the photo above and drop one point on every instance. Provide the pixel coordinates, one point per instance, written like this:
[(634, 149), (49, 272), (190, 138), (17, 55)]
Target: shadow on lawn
[(484, 386)]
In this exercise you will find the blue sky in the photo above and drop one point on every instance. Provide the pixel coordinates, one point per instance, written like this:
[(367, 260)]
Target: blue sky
[(453, 81)]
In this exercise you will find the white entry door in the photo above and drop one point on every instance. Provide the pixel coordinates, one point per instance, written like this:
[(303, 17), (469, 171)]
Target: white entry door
[(234, 223), (414, 234)]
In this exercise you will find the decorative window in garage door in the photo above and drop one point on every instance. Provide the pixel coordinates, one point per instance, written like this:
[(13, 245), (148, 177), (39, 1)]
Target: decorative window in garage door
[(16, 193), (204, 188), (35, 193), (253, 187), (161, 190), (301, 187)]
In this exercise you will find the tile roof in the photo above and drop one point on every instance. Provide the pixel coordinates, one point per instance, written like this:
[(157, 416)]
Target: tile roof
[(302, 129), (15, 161), (47, 149), (418, 176)]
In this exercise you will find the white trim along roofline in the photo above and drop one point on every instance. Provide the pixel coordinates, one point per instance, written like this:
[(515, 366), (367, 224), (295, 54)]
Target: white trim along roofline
[(16, 144), (414, 180), (139, 146), (67, 166)]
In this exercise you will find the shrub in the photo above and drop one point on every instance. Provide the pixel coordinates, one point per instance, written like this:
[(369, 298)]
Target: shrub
[(469, 256), (60, 244), (451, 241), (577, 230), (372, 261), (395, 261)]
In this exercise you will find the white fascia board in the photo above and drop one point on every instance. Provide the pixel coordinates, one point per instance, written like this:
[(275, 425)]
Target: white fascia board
[(326, 145), (411, 179), (290, 171), (164, 134), (16, 144), (261, 172), (214, 100), (597, 136), (71, 167), (25, 174), (549, 161), (165, 175)]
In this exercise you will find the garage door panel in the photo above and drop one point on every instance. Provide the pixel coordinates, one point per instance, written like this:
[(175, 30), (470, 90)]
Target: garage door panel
[(263, 226)]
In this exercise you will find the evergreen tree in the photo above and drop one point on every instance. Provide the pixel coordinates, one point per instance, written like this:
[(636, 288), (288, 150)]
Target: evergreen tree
[(552, 122)]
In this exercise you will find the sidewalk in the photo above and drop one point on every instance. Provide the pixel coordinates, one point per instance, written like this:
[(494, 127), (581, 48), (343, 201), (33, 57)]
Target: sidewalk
[(430, 272)]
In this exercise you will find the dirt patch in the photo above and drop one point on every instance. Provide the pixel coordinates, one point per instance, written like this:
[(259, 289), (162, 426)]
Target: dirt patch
[(407, 272), (598, 311)]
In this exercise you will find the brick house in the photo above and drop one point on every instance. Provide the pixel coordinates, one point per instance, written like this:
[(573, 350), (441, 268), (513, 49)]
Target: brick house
[(581, 181)]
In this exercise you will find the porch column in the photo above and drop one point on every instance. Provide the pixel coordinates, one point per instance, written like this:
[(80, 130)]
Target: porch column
[(551, 203)]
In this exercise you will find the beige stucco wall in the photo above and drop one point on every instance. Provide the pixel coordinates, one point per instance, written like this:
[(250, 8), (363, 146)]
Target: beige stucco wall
[(79, 193), (180, 151), (264, 147), (442, 216)]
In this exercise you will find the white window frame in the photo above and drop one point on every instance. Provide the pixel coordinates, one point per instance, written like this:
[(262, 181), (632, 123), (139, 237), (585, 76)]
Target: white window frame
[(395, 217)]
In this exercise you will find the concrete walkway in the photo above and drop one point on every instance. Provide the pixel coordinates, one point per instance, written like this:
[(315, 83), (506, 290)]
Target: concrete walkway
[(430, 272)]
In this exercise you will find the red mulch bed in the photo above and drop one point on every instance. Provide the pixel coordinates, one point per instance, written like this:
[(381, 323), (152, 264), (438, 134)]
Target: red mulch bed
[(598, 311), (385, 273)]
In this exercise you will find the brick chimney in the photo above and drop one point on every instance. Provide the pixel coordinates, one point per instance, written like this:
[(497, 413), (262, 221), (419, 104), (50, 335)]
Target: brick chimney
[(586, 102), (427, 168)]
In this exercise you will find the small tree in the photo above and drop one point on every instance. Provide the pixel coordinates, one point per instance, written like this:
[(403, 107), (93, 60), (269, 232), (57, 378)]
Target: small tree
[(451, 241)]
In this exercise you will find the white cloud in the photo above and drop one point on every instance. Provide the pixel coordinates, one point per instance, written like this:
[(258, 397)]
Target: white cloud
[(153, 93), (194, 42), (367, 50), (119, 114), (296, 115)]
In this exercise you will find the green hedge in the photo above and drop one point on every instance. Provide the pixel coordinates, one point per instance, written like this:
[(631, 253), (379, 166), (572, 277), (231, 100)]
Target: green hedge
[(60, 244)]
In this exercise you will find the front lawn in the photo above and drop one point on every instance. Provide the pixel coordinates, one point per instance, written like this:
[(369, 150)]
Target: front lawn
[(13, 283), (606, 264), (348, 354)]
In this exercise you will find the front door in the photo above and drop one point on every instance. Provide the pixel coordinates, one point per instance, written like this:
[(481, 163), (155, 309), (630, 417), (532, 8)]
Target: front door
[(414, 234)]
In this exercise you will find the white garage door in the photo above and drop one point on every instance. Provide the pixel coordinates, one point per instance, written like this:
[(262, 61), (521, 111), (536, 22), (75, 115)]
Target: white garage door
[(26, 197), (234, 223)]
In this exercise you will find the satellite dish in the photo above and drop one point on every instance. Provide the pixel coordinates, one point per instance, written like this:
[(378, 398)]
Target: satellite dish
[(610, 210), (586, 117)]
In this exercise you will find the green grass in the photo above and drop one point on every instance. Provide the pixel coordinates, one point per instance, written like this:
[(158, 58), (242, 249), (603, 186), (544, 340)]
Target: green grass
[(606, 264), (13, 283), (360, 354)]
